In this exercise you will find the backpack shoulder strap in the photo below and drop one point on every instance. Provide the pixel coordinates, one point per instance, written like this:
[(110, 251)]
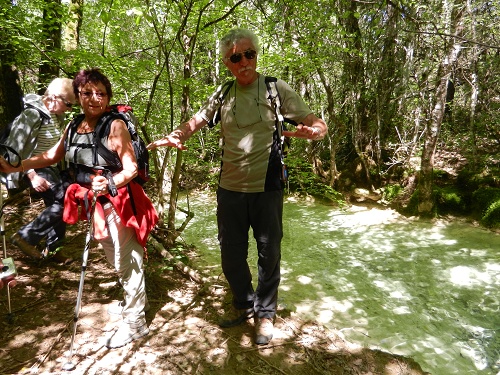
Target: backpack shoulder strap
[(274, 97), (220, 100), (72, 129), (102, 130), (69, 141)]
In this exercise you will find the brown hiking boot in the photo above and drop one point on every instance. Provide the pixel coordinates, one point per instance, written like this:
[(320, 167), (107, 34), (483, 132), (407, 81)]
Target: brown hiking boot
[(25, 247), (235, 317), (57, 256), (263, 331)]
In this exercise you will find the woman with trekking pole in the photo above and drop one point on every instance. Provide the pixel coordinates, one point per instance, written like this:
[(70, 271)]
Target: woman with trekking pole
[(120, 227)]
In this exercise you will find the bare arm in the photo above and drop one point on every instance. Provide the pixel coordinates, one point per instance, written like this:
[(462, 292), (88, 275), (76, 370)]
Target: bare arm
[(119, 140), (49, 157), (311, 127), (180, 135)]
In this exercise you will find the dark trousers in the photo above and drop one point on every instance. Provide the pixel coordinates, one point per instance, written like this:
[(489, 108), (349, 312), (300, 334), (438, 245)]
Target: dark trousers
[(49, 223), (236, 214)]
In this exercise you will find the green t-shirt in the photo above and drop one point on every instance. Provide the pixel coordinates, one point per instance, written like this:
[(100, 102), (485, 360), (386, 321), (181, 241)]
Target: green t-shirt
[(250, 161)]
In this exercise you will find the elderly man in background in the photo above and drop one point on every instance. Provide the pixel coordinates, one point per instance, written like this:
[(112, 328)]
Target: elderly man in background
[(33, 132)]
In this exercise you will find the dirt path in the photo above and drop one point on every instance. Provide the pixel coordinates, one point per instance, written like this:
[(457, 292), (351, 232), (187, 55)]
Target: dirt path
[(184, 337)]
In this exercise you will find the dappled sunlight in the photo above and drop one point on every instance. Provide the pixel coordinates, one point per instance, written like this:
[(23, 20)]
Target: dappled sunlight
[(467, 276), (408, 286)]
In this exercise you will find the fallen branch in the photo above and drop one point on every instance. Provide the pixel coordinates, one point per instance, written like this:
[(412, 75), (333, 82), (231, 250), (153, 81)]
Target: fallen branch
[(184, 269), (37, 365)]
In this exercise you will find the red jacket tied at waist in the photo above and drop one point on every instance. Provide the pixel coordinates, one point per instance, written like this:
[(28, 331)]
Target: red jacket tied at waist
[(143, 221)]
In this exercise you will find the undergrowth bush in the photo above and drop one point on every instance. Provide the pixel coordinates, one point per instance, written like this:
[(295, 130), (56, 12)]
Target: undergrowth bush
[(486, 204)]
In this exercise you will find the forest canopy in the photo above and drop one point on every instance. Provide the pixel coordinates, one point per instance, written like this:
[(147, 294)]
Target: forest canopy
[(401, 85)]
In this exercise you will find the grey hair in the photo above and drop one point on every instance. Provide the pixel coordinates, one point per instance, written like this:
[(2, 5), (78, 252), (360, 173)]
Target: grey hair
[(234, 36), (62, 87)]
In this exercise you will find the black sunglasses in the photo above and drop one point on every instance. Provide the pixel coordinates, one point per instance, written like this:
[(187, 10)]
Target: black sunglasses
[(249, 55)]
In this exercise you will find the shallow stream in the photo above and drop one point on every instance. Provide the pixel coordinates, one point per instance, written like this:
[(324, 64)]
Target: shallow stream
[(424, 290)]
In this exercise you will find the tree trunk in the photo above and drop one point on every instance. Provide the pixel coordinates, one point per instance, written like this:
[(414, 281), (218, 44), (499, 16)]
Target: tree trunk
[(72, 29), (11, 103), (51, 32), (385, 108), (433, 125), (352, 80), (11, 94)]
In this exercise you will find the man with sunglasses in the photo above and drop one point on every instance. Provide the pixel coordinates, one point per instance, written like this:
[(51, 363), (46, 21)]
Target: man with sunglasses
[(250, 193), (34, 131)]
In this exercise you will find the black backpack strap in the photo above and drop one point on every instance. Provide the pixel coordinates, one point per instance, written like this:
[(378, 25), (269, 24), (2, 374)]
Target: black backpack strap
[(102, 130), (284, 142), (6, 152), (73, 125), (220, 100), (274, 97)]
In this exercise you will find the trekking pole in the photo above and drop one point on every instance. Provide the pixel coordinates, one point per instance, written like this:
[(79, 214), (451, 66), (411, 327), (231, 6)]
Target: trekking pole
[(2, 223), (8, 272), (69, 365)]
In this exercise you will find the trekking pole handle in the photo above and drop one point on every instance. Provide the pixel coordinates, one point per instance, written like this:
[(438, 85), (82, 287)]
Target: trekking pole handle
[(113, 191)]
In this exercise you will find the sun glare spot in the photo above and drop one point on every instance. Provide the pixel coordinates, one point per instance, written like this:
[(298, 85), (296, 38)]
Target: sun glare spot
[(304, 280), (467, 276)]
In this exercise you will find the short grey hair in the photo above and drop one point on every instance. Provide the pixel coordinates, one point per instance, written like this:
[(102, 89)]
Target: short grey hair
[(234, 36), (62, 87)]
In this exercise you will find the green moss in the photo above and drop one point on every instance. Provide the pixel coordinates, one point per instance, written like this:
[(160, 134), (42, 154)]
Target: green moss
[(392, 191)]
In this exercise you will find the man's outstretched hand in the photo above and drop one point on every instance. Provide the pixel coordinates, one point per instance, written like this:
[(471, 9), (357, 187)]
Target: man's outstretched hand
[(169, 141)]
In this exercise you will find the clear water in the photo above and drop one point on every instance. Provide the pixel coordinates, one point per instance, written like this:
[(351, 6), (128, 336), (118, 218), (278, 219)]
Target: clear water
[(425, 290)]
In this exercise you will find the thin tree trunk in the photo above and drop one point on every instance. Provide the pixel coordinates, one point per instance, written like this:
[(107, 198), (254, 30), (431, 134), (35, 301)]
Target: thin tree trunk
[(52, 15), (433, 126)]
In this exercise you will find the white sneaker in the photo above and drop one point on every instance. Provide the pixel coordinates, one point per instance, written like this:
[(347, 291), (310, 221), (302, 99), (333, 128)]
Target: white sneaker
[(126, 333)]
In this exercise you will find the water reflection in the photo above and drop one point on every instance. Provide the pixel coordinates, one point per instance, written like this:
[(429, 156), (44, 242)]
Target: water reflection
[(416, 288)]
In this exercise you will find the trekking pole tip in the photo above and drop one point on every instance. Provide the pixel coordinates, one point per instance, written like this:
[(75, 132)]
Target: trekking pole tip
[(68, 366)]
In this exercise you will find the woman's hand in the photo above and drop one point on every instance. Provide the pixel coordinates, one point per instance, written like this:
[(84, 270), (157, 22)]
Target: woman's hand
[(100, 185)]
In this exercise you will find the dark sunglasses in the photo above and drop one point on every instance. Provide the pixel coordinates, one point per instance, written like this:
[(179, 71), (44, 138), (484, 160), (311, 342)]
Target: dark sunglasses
[(249, 55)]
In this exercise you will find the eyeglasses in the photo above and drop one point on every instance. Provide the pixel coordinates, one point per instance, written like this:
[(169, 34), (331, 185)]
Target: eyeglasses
[(249, 55), (89, 94), (55, 98)]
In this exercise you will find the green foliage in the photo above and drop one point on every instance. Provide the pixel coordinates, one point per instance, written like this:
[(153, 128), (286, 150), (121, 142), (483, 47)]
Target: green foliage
[(486, 202), (449, 200), (391, 191), (369, 69)]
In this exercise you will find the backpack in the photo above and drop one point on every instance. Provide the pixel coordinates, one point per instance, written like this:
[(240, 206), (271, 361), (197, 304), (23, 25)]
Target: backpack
[(125, 113), (274, 97), (10, 154)]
